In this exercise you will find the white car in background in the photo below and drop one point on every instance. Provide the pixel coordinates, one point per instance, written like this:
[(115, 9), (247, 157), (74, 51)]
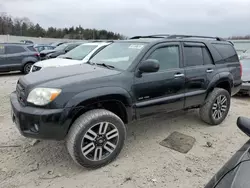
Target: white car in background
[(78, 55)]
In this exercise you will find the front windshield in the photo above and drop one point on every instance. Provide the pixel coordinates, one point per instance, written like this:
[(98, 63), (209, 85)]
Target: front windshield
[(61, 47), (80, 52), (120, 54)]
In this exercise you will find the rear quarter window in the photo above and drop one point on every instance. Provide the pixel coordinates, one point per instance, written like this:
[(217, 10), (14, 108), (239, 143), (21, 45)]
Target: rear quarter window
[(227, 52), (31, 48)]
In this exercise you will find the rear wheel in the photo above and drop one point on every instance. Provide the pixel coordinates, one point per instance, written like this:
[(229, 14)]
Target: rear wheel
[(27, 67), (96, 138), (216, 107)]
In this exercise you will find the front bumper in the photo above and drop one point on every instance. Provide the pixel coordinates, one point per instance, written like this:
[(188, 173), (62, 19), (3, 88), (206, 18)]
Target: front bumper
[(50, 122)]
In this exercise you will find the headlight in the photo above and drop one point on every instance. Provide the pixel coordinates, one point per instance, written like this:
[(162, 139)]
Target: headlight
[(43, 96)]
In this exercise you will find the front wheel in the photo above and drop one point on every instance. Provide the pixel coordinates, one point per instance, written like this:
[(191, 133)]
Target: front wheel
[(216, 107), (27, 67), (96, 138)]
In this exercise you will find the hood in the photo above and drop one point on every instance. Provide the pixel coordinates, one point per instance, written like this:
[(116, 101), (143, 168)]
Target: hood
[(62, 76), (245, 75), (47, 51), (57, 62), (55, 54)]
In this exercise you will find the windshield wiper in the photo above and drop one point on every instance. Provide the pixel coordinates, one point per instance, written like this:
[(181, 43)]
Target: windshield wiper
[(67, 58), (105, 65)]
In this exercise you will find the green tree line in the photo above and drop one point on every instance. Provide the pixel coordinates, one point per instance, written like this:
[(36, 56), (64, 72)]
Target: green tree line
[(24, 27)]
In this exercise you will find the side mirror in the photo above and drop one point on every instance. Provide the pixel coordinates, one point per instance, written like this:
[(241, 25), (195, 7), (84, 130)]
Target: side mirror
[(244, 125), (149, 65)]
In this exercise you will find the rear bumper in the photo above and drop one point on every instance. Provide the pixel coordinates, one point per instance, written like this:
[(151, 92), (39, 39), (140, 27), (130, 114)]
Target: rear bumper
[(50, 122), (236, 88), (245, 87)]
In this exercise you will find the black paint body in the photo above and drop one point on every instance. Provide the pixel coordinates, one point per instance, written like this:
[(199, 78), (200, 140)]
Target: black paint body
[(141, 95)]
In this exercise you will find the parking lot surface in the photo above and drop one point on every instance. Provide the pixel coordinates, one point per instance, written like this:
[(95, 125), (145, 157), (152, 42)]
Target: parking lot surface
[(142, 163)]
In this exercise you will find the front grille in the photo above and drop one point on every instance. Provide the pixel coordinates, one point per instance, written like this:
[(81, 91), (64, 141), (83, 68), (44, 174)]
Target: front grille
[(35, 68), (20, 91)]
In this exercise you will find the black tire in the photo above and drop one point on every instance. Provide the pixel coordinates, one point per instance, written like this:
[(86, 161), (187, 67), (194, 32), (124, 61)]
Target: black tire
[(206, 111), (27, 67), (80, 128)]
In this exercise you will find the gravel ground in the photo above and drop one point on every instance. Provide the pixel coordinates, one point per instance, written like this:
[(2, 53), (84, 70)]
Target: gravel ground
[(142, 162)]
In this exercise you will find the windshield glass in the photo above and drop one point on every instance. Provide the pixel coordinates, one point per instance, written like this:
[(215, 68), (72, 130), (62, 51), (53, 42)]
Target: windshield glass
[(61, 47), (80, 52), (119, 55), (245, 63)]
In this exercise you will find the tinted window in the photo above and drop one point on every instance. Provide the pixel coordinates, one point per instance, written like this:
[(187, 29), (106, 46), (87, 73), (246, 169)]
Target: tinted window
[(61, 47), (193, 56), (80, 52), (1, 50), (48, 48), (70, 47), (31, 48), (119, 54), (206, 57), (227, 52), (168, 57), (14, 49)]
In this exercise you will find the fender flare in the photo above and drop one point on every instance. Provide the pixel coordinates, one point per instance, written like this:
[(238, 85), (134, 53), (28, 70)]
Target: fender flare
[(219, 78), (77, 103)]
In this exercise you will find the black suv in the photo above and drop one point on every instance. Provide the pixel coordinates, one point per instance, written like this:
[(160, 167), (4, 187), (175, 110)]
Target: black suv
[(17, 57), (89, 104)]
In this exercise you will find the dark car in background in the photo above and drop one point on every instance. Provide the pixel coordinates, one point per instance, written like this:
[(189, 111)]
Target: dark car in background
[(41, 47), (17, 57), (235, 173), (55, 44), (27, 41), (59, 50)]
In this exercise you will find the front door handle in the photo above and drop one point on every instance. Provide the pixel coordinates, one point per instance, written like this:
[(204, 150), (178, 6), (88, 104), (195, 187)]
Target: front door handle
[(177, 75), (210, 70)]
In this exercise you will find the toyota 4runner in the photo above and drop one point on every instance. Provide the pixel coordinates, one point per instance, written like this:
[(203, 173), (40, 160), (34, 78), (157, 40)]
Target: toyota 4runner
[(89, 104)]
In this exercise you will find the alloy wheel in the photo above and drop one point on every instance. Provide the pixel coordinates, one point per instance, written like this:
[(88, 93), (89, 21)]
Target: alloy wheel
[(100, 141), (219, 107)]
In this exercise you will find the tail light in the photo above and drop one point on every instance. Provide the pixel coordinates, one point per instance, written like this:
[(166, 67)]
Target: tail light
[(37, 55), (240, 70)]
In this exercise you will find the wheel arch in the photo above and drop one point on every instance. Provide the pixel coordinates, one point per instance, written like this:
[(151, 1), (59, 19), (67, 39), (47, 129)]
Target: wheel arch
[(114, 99), (222, 80)]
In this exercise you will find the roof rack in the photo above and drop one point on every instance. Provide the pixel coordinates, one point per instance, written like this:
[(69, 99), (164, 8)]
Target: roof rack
[(101, 40), (195, 36), (177, 36), (150, 36)]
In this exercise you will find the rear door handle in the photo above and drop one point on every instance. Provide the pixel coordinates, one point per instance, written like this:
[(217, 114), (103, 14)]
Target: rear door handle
[(177, 75), (210, 70)]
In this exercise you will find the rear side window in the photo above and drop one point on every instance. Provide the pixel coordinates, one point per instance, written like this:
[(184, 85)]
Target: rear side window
[(14, 49), (31, 48), (48, 47), (206, 57), (193, 56), (227, 52)]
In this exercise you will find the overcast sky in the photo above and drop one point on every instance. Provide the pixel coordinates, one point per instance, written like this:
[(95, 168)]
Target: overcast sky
[(138, 17)]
